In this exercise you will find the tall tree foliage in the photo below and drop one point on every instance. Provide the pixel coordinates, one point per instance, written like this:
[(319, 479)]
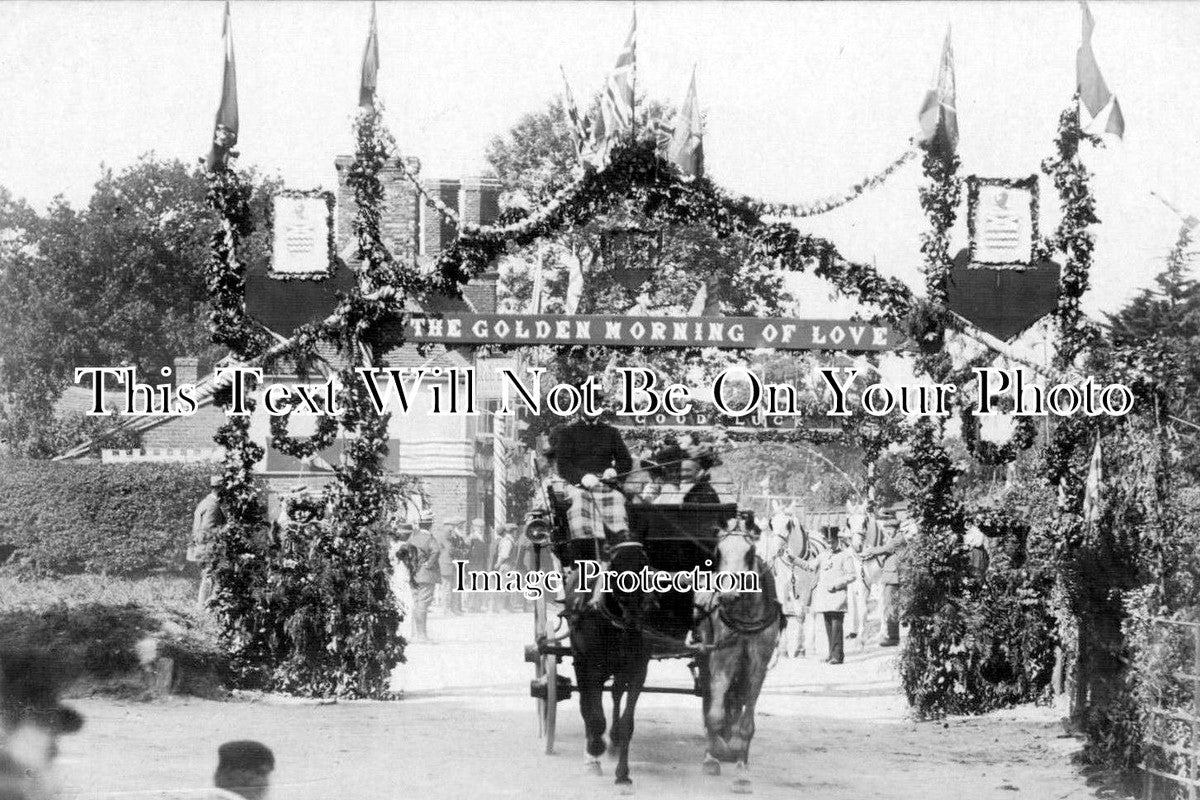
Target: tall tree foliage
[(120, 281)]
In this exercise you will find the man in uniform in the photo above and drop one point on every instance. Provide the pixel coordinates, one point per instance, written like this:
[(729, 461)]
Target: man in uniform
[(207, 522), (891, 551), (427, 574)]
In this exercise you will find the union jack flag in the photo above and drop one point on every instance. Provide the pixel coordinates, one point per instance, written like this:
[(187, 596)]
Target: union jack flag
[(617, 103), (939, 106)]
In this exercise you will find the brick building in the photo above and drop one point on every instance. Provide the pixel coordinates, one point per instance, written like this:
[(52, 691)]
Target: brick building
[(455, 456)]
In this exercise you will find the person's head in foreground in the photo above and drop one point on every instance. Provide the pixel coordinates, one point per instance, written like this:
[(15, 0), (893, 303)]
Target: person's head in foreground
[(32, 720), (244, 768)]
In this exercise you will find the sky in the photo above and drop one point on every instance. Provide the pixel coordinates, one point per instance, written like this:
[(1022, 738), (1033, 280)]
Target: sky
[(801, 99)]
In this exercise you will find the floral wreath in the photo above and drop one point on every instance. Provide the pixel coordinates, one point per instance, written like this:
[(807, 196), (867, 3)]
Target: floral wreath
[(297, 447)]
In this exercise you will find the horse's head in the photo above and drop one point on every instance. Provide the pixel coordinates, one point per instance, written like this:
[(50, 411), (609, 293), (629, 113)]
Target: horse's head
[(737, 551), (857, 521)]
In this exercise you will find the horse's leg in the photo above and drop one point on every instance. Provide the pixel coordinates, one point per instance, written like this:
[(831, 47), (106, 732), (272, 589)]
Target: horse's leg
[(720, 666), (591, 708), (758, 658), (624, 729), (614, 736)]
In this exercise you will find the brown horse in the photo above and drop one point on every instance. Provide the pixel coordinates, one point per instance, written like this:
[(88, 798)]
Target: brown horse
[(740, 631), (608, 642)]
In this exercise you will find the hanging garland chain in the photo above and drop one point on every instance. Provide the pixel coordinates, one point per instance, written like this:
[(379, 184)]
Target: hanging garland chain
[(326, 434), (639, 175), (824, 205)]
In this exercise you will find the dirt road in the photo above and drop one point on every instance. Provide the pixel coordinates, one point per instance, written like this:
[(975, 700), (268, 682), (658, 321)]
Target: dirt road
[(466, 728)]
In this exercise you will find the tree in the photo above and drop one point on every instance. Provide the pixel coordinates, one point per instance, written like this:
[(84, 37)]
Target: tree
[(119, 282), (1169, 314)]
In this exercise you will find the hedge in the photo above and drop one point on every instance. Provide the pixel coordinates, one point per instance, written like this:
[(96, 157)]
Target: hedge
[(90, 517), (97, 642)]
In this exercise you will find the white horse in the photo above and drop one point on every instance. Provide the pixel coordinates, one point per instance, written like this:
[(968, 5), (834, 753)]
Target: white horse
[(865, 532), (741, 630)]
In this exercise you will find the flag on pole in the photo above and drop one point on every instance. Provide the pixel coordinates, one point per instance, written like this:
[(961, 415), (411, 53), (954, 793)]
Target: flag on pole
[(1091, 493), (939, 108), (617, 102), (370, 67), (1093, 91), (579, 124), (225, 129), (687, 143)]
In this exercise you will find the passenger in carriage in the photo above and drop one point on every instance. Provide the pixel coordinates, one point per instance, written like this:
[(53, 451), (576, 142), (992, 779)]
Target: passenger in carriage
[(694, 486)]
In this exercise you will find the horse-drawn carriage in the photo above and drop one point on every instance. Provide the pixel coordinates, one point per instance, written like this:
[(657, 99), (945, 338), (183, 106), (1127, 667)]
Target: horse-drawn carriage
[(610, 642), (675, 538)]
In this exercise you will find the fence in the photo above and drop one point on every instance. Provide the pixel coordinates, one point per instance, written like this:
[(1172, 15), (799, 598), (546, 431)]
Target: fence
[(162, 454), (1181, 766)]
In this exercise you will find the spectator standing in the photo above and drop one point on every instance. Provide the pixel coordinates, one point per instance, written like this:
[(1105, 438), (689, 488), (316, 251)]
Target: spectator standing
[(453, 547), (505, 561), (477, 559), (207, 522), (835, 571), (427, 574), (891, 551)]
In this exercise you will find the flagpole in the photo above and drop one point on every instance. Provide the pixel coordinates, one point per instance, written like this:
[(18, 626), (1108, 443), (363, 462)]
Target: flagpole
[(633, 82)]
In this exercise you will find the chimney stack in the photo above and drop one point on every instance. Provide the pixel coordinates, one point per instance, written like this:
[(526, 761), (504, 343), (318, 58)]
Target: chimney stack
[(187, 370)]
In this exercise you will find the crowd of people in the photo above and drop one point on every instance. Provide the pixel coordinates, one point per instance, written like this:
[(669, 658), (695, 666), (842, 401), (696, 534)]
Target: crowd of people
[(424, 556)]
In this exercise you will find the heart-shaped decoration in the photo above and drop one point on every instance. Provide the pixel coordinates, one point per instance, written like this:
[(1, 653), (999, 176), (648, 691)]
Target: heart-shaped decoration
[(1004, 302)]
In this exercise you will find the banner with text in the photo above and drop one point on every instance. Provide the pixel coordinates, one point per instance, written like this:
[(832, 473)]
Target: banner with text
[(730, 333)]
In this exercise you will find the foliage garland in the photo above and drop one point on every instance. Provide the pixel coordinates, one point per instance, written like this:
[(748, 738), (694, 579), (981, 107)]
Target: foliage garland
[(937, 664), (1072, 236), (824, 205), (325, 435), (659, 192), (342, 607), (992, 453)]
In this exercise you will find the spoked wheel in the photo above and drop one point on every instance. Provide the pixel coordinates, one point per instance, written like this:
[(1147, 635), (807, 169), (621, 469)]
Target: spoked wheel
[(545, 666), (550, 713)]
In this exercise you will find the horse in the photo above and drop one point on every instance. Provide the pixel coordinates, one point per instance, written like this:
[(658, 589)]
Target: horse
[(866, 532), (741, 632), (609, 642)]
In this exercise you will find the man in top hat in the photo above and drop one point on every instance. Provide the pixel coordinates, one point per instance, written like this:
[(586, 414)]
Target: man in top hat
[(207, 522), (243, 770), (835, 570), (32, 720)]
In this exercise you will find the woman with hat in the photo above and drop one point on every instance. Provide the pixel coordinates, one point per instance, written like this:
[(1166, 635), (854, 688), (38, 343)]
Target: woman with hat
[(835, 570)]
